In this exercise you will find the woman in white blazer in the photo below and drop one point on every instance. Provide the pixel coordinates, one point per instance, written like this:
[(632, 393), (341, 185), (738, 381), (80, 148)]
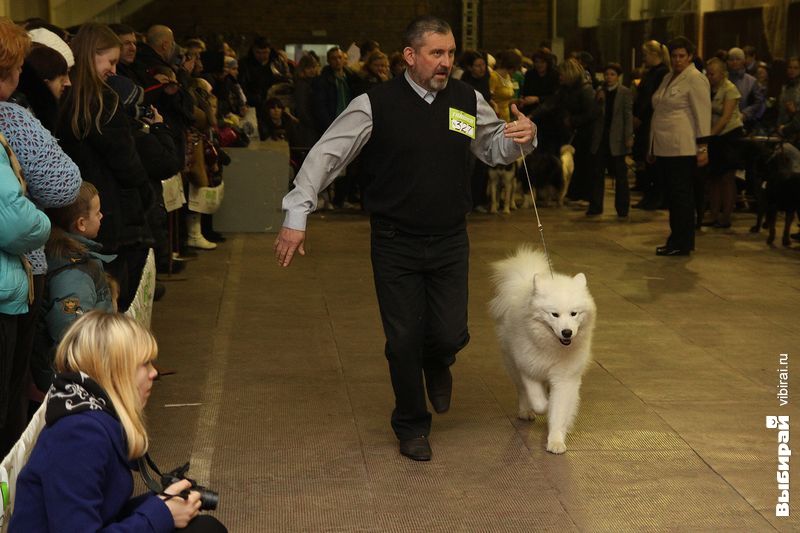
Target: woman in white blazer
[(678, 141)]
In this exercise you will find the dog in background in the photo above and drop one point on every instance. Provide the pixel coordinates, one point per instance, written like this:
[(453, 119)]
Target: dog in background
[(780, 190), (550, 175), (545, 325), (546, 177), (567, 168), (502, 177)]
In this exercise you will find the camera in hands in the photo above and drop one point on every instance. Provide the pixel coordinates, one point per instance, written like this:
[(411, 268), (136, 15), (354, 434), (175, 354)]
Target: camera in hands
[(208, 498)]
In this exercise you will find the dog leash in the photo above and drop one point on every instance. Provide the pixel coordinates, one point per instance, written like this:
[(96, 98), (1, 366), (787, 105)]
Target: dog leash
[(536, 211)]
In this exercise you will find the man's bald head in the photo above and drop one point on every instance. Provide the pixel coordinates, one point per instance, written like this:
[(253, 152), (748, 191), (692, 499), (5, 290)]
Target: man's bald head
[(161, 39)]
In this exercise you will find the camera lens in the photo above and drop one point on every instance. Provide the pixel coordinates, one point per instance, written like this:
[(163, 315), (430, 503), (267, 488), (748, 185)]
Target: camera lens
[(208, 500)]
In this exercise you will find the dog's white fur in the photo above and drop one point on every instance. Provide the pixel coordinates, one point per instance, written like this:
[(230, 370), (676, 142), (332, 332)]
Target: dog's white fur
[(545, 328), (567, 168), (507, 177)]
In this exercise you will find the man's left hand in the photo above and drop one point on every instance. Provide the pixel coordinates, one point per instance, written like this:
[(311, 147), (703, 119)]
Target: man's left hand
[(521, 130)]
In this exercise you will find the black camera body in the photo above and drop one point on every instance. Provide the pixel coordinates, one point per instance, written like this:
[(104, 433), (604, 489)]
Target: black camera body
[(208, 498)]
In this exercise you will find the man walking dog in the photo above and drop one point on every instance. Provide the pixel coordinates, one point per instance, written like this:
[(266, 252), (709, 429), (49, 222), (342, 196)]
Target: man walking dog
[(414, 134)]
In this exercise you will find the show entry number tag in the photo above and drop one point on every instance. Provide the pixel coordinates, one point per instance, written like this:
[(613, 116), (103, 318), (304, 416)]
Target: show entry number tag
[(463, 123)]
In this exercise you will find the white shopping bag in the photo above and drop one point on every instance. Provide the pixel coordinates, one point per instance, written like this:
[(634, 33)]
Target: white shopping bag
[(206, 200), (174, 196)]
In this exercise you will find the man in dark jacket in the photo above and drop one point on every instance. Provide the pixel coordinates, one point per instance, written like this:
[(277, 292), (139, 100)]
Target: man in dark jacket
[(127, 56), (332, 89), (152, 59), (157, 50), (256, 77), (331, 92), (154, 70)]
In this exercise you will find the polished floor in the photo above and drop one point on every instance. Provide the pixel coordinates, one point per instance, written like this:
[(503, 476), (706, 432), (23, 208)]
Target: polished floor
[(281, 396)]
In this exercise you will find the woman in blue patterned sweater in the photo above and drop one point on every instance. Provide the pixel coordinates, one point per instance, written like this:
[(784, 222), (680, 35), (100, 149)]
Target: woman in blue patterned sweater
[(52, 180)]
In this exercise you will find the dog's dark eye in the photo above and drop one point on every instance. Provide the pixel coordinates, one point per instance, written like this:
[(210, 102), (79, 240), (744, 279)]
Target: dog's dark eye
[(555, 315), (574, 313)]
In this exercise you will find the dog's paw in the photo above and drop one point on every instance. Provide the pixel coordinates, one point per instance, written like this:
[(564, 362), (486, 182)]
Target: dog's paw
[(556, 447), (526, 414)]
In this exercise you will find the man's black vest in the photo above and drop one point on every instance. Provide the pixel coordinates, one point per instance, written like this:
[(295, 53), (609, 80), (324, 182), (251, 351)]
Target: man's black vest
[(416, 169)]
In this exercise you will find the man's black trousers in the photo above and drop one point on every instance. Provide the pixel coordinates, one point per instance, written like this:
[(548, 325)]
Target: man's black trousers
[(421, 283)]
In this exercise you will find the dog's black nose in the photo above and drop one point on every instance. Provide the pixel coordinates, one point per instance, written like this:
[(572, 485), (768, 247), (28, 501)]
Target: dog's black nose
[(566, 333)]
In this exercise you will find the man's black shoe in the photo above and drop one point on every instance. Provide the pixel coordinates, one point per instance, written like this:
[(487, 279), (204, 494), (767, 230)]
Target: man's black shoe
[(417, 448), (671, 252), (439, 384)]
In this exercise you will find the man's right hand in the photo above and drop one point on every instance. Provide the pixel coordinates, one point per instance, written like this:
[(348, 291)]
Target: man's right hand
[(287, 243)]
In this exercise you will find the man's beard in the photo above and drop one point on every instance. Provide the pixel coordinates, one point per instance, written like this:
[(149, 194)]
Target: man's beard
[(431, 84), (438, 85)]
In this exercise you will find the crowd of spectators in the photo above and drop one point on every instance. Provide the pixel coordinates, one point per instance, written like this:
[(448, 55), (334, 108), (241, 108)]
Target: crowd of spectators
[(93, 123), (738, 110)]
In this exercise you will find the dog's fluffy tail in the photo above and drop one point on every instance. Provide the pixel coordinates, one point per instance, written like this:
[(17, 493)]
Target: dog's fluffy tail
[(513, 278)]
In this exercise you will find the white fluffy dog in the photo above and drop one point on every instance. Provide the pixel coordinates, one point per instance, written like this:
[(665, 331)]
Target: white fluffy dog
[(545, 327)]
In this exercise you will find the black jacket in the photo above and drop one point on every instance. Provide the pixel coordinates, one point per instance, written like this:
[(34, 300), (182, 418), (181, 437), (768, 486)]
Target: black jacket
[(479, 84), (255, 79), (141, 68), (324, 94), (177, 109), (157, 152), (573, 111), (108, 159), (542, 86), (643, 105), (306, 131)]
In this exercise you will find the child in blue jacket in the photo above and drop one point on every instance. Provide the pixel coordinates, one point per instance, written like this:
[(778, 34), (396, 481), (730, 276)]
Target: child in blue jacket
[(76, 280)]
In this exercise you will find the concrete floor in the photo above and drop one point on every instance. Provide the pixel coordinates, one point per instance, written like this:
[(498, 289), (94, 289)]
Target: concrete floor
[(281, 396)]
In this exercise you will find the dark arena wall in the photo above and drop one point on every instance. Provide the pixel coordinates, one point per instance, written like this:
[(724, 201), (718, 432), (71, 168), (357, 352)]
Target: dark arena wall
[(502, 23)]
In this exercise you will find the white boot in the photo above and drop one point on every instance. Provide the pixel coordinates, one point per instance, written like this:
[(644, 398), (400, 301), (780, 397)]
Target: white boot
[(196, 239)]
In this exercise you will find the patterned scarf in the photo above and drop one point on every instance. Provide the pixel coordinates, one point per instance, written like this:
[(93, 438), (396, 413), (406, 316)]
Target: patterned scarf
[(74, 392)]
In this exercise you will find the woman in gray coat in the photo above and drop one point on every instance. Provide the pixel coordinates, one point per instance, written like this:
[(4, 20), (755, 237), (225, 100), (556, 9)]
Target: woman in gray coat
[(613, 139), (679, 141)]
